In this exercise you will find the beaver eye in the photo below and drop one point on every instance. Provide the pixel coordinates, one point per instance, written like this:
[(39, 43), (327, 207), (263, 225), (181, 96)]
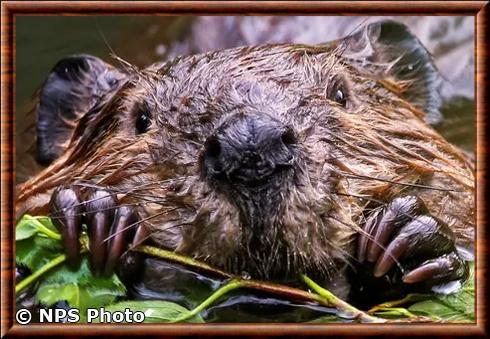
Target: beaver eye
[(340, 97), (111, 79), (142, 122), (337, 90)]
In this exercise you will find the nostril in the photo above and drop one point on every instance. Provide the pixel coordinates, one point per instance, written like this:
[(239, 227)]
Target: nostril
[(288, 137), (212, 155), (213, 147)]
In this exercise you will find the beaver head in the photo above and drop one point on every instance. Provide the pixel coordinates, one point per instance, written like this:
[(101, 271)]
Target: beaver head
[(265, 159)]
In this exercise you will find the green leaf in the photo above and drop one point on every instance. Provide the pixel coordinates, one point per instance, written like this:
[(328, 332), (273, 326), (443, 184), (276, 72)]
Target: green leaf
[(29, 226), (25, 229), (327, 319), (156, 311), (36, 251), (37, 242), (459, 306), (394, 313), (51, 294), (83, 276), (81, 289)]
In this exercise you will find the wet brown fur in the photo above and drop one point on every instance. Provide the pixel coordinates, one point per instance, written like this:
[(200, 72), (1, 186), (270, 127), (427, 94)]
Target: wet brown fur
[(353, 159)]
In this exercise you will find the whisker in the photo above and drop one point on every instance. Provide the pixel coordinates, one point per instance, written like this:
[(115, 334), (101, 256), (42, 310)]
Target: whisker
[(139, 222), (114, 190), (371, 199), (131, 247), (342, 47), (398, 264), (104, 38), (59, 216), (367, 177), (59, 212)]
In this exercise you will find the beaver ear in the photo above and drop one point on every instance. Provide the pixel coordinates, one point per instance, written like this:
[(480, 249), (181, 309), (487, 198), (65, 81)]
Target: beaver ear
[(387, 50), (77, 84)]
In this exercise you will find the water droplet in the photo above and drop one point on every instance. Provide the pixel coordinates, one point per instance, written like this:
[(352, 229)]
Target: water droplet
[(160, 49), (245, 275)]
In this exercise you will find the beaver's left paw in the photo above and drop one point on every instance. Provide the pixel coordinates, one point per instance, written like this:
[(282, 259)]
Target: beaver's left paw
[(422, 246)]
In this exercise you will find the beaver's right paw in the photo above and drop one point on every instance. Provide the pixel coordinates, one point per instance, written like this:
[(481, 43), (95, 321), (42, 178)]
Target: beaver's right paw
[(110, 226)]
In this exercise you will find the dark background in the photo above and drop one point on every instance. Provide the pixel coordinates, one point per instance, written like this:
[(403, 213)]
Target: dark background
[(40, 41)]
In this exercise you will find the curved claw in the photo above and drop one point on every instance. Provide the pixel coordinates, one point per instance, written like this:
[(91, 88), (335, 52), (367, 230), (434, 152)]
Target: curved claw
[(385, 223), (421, 246), (395, 250), (423, 238), (140, 236), (400, 212), (100, 213), (364, 239), (124, 219), (109, 225), (383, 233), (66, 213), (445, 268)]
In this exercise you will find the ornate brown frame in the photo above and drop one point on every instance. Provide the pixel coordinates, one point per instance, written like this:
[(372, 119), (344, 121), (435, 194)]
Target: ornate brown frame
[(9, 9)]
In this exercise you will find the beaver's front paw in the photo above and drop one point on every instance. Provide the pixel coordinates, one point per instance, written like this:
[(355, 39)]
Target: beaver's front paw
[(110, 226), (404, 237)]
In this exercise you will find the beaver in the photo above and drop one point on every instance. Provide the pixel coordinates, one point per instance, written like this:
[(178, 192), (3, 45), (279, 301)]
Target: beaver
[(269, 160)]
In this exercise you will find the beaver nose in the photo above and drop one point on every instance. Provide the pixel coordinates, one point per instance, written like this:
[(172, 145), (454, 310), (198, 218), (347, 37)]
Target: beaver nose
[(249, 149)]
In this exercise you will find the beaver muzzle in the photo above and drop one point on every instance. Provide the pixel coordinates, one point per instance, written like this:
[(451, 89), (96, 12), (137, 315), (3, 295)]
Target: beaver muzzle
[(248, 151)]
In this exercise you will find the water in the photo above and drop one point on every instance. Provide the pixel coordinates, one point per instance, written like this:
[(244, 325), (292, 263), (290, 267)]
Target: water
[(173, 282)]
